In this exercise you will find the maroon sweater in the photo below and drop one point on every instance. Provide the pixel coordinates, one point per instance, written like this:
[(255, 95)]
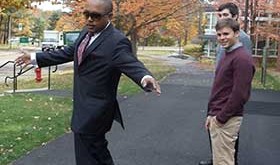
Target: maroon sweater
[(232, 85)]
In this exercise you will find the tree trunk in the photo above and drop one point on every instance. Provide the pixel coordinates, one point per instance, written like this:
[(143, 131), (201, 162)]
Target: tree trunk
[(118, 16), (6, 31), (133, 39), (186, 37), (278, 58), (1, 29), (180, 46)]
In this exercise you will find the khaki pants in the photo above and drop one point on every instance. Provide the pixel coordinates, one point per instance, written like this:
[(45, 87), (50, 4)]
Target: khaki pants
[(223, 140)]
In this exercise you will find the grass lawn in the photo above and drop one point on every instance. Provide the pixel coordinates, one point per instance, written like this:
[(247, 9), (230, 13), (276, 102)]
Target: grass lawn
[(154, 52), (28, 120), (272, 80)]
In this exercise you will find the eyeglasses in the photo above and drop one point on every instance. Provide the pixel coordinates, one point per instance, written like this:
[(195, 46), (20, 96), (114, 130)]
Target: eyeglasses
[(94, 15)]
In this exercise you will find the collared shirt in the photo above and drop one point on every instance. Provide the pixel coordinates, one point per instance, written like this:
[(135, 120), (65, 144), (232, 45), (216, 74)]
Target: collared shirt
[(233, 47), (93, 38)]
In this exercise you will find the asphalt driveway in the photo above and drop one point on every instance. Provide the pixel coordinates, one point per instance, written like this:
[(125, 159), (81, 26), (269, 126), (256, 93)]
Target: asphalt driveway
[(168, 130)]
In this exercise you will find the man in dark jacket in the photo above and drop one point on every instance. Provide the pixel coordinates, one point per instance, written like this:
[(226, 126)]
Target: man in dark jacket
[(100, 54)]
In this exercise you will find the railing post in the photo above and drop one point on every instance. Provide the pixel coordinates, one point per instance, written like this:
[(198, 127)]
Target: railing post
[(264, 66), (15, 75), (49, 78), (14, 80)]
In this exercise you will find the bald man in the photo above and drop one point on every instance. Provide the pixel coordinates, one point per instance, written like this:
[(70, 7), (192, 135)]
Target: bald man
[(101, 54)]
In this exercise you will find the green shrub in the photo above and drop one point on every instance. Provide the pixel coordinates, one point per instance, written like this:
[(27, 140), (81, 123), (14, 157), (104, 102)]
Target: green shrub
[(194, 50), (158, 40), (209, 61)]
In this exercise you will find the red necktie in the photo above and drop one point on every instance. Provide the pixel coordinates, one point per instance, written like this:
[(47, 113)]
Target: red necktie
[(82, 47)]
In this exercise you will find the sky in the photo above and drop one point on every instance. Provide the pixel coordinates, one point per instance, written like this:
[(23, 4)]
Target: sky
[(49, 6)]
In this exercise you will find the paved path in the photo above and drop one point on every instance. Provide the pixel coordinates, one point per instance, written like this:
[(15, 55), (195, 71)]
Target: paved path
[(168, 130)]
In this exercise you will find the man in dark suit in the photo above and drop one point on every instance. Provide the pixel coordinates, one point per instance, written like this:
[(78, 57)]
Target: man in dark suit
[(100, 54)]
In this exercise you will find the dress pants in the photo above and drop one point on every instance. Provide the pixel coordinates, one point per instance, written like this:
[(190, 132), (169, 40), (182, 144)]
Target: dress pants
[(236, 147), (223, 141), (92, 150)]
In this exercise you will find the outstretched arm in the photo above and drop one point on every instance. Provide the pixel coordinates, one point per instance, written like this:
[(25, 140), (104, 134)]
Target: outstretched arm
[(23, 59), (127, 63)]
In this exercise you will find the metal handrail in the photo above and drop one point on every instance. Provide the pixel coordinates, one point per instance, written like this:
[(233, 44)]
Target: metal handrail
[(14, 75), (6, 63), (49, 76), (21, 72)]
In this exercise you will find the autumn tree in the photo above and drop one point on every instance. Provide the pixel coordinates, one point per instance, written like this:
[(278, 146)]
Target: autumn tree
[(134, 17), (264, 19), (73, 20), (269, 29), (53, 19), (183, 28), (265, 29), (138, 14), (23, 19), (38, 27), (147, 32), (7, 9)]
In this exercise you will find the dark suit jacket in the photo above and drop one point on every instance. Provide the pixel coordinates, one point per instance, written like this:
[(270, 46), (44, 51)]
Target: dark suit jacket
[(97, 77)]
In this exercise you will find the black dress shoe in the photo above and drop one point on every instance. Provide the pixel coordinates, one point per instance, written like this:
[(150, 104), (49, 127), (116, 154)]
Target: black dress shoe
[(206, 162)]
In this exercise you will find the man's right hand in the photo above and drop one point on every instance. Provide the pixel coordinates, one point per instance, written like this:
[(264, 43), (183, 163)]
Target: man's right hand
[(207, 122), (24, 58)]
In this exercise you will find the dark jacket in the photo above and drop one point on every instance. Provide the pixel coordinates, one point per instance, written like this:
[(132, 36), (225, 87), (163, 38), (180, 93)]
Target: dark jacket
[(96, 78)]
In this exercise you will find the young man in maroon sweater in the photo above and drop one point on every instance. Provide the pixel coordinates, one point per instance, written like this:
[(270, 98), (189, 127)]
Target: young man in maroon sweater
[(230, 91)]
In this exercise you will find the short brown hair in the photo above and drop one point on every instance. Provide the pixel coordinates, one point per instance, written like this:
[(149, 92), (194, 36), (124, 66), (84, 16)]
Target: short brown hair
[(233, 9), (227, 22)]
